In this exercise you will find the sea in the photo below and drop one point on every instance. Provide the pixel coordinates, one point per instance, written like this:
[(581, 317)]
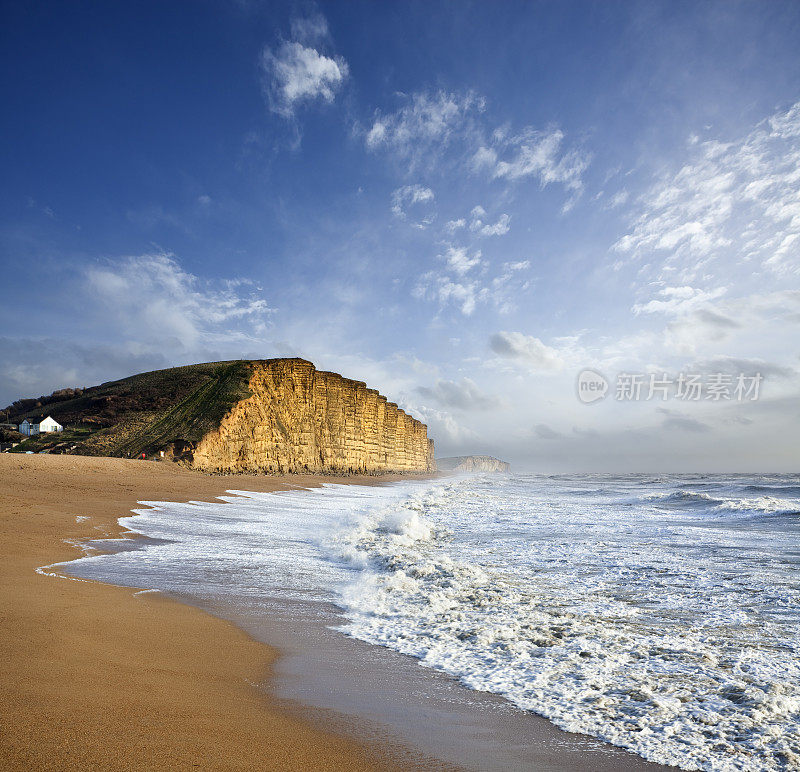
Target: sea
[(658, 613)]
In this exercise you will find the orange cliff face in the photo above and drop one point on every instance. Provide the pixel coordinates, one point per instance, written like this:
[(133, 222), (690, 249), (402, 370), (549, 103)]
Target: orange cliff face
[(300, 419)]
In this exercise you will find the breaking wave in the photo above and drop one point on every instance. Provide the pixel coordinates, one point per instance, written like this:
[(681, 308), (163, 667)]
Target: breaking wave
[(608, 624), (661, 614)]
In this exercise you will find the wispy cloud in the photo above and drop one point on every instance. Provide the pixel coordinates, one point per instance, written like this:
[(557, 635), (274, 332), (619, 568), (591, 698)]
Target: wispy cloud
[(466, 281), (738, 201), (409, 196), (535, 154), (733, 366), (426, 119), (310, 29), (618, 199), (441, 424), (143, 312), (432, 124), (446, 289), (481, 227), (157, 303)]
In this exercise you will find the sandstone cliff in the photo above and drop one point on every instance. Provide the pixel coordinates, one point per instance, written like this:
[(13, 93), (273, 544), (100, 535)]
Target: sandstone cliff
[(300, 419), (472, 464), (274, 415)]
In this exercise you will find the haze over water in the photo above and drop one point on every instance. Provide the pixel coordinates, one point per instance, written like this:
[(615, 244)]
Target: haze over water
[(658, 613)]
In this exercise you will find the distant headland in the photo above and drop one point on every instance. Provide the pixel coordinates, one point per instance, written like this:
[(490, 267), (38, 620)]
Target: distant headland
[(472, 464)]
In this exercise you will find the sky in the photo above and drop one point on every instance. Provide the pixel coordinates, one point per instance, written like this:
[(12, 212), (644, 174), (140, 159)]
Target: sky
[(474, 207)]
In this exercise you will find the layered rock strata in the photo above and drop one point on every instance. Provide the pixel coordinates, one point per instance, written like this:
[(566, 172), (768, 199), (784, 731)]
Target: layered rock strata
[(300, 419)]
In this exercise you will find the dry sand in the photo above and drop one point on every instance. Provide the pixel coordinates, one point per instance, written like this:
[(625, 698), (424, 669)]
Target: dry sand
[(96, 677)]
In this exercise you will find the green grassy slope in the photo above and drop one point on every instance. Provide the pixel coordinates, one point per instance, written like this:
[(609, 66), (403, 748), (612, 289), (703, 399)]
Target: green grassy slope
[(144, 412)]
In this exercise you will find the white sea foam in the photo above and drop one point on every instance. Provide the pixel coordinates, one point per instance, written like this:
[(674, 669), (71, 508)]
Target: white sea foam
[(667, 638), (658, 614)]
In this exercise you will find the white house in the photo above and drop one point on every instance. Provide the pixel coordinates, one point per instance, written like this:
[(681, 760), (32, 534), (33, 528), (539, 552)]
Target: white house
[(29, 426), (50, 425)]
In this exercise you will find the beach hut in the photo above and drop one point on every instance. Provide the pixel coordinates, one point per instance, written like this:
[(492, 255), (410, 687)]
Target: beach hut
[(28, 427)]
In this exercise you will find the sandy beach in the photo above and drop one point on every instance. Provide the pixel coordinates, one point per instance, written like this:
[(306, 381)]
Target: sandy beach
[(103, 676), (95, 676)]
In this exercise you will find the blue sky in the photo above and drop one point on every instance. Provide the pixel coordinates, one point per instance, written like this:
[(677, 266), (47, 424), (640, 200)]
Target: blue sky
[(463, 204)]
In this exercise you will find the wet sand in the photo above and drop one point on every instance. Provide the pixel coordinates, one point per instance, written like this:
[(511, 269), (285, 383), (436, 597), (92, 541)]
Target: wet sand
[(97, 677)]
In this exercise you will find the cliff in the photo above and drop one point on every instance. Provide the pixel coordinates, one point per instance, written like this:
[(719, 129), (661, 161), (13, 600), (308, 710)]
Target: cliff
[(300, 419), (274, 415), (472, 464)]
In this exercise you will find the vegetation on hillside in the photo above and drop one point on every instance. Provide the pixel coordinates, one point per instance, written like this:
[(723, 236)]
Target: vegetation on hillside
[(144, 413)]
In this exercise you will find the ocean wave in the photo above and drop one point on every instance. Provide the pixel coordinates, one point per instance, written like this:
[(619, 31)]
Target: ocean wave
[(755, 506), (620, 641), (610, 614), (779, 490), (682, 499), (763, 505)]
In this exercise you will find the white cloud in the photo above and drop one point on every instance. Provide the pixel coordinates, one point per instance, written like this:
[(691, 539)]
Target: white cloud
[(478, 224), (531, 350), (442, 126), (520, 265), (758, 323), (618, 199), (296, 73), (736, 202), (451, 286), (500, 228), (460, 261), (698, 327), (507, 286), (464, 294), (141, 312), (33, 367), (426, 119), (483, 158), (158, 304), (409, 196), (441, 425), (534, 153), (677, 300)]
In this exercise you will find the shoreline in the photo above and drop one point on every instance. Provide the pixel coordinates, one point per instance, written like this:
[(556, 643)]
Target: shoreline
[(97, 676), (120, 671)]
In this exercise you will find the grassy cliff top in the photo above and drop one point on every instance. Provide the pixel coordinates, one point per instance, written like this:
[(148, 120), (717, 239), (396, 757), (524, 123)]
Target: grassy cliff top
[(140, 413)]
